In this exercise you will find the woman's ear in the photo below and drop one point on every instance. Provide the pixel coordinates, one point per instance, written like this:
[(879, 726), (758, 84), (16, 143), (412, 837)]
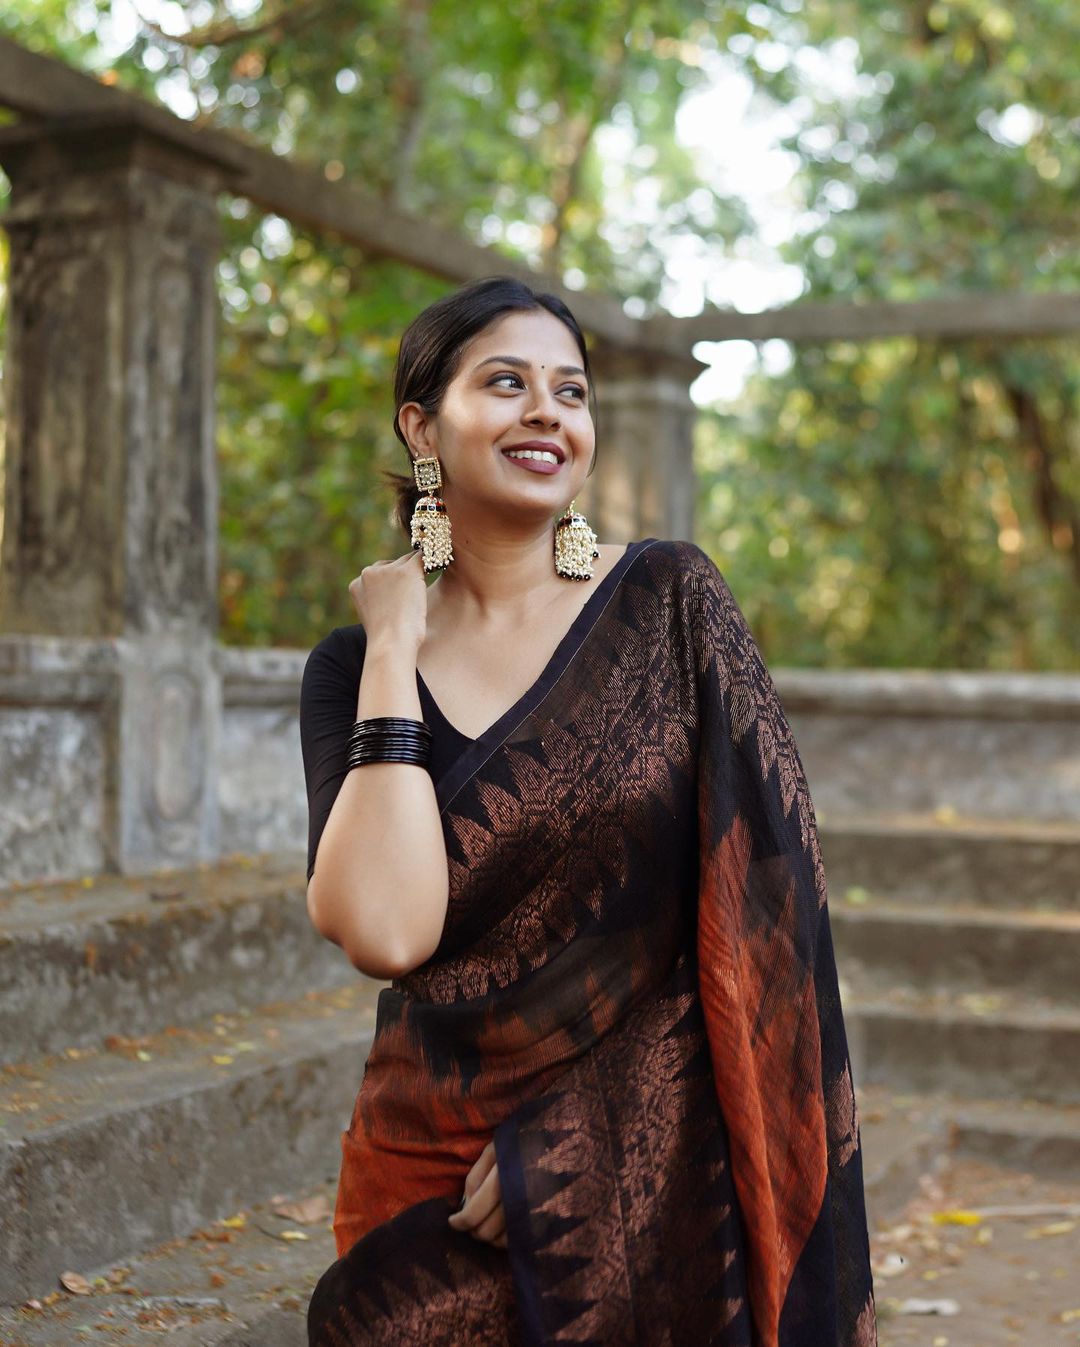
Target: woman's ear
[(418, 429)]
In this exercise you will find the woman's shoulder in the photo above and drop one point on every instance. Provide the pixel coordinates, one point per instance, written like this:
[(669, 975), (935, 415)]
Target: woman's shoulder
[(679, 559), (340, 650)]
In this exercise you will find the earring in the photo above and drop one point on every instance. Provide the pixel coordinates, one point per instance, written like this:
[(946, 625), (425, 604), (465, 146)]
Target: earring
[(430, 524), (575, 546)]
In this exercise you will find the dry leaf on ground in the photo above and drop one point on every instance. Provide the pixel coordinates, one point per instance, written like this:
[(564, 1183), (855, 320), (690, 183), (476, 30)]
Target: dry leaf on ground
[(309, 1211)]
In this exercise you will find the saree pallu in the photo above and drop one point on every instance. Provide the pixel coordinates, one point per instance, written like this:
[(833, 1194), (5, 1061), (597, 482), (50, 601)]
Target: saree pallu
[(635, 995)]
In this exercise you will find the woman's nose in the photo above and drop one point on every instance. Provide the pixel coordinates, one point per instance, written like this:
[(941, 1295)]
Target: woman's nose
[(543, 408)]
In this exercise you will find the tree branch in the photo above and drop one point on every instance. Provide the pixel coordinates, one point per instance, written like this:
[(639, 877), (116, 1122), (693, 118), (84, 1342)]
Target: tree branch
[(408, 89), (1058, 513), (579, 133), (287, 18)]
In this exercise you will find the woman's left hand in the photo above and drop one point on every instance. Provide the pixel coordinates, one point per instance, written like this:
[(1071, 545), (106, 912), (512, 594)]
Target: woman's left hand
[(482, 1215)]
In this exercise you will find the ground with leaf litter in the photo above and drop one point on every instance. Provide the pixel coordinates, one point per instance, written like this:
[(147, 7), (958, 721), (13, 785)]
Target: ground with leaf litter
[(256, 1268), (982, 1257)]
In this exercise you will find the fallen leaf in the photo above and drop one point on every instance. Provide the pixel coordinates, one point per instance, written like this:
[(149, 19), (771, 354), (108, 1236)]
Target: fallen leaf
[(76, 1283), (916, 1306), (222, 1059), (1056, 1228), (144, 1056), (122, 1043), (309, 1211), (1069, 1316), (294, 1234), (981, 1003), (235, 1222), (956, 1216), (216, 1279), (890, 1265)]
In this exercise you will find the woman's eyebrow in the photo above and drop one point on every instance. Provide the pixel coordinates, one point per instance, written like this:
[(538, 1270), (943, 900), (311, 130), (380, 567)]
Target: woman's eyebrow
[(519, 363)]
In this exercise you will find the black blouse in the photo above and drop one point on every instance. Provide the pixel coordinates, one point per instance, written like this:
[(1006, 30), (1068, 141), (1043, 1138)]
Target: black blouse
[(328, 693)]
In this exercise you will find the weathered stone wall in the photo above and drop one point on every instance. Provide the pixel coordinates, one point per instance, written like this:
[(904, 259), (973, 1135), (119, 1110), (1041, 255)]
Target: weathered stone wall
[(985, 746), (925, 742)]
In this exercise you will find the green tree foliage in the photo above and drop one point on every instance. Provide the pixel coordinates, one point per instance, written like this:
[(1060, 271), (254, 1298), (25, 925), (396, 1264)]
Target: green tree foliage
[(485, 126), (918, 503), (894, 503)]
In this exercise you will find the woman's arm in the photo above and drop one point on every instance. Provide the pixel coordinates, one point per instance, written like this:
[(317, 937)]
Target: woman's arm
[(381, 885)]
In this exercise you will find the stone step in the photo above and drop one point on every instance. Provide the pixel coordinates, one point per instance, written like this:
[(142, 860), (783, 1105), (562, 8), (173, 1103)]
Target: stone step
[(959, 949), (975, 1045), (982, 863), (905, 1134), (901, 1140), (1023, 1134), (105, 1151), (245, 1284), (128, 955)]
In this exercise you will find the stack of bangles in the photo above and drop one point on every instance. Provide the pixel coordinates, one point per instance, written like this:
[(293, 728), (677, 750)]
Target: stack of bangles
[(389, 739)]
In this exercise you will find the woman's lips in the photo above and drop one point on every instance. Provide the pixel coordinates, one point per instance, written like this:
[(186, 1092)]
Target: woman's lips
[(533, 464)]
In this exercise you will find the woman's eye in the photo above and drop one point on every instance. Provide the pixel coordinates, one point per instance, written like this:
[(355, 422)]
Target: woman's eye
[(515, 381)]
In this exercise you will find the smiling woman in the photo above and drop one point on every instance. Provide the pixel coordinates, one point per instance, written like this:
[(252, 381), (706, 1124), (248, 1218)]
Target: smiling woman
[(608, 1099)]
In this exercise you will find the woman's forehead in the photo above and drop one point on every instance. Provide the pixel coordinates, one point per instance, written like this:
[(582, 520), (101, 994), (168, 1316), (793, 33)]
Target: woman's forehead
[(534, 335)]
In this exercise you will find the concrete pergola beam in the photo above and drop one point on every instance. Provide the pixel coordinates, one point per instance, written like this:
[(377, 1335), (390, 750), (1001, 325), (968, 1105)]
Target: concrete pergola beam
[(998, 316), (37, 86)]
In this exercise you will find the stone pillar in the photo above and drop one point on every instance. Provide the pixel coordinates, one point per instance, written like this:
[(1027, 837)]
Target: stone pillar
[(644, 483), (110, 512)]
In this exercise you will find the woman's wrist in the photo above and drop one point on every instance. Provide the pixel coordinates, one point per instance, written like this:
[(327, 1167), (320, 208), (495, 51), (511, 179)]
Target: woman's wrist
[(391, 648), (388, 681)]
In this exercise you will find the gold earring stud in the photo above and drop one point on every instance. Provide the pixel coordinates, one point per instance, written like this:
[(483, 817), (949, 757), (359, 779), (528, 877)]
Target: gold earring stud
[(430, 524)]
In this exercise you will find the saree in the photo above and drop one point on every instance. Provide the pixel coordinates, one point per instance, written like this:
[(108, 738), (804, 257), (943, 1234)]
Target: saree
[(634, 996)]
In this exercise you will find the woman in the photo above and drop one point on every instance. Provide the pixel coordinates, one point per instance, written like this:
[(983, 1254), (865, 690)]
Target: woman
[(574, 831)]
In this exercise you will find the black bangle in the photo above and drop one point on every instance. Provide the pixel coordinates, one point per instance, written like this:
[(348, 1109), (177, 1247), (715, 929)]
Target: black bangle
[(389, 739)]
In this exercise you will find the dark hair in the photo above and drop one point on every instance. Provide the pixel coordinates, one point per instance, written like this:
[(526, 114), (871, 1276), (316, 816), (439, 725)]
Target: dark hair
[(431, 350)]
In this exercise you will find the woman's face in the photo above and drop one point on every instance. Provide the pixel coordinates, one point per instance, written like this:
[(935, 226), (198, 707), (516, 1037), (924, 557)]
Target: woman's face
[(519, 381)]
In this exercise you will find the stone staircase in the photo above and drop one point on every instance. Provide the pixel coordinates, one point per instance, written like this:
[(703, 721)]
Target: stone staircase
[(180, 1048), (958, 946), (176, 1048)]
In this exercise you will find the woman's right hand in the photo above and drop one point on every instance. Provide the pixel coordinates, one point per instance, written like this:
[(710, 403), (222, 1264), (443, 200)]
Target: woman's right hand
[(390, 599)]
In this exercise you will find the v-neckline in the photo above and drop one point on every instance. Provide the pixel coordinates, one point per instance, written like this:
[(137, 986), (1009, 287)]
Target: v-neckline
[(478, 749)]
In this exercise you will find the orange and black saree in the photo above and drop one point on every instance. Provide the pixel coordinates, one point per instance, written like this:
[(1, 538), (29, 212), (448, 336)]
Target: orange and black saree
[(635, 995)]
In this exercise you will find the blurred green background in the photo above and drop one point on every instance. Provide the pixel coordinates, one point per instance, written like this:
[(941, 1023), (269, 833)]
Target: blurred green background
[(885, 503)]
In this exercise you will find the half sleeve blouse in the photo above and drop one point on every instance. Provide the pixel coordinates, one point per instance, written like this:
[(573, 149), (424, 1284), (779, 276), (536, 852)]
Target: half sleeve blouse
[(328, 695)]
